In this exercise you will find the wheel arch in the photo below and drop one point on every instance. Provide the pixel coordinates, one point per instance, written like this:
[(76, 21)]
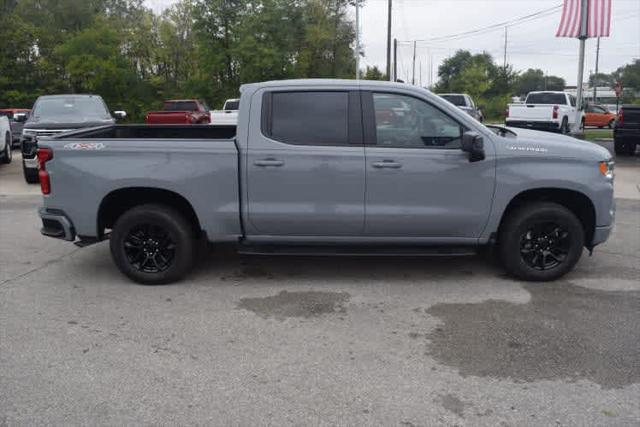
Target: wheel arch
[(575, 201), (117, 202)]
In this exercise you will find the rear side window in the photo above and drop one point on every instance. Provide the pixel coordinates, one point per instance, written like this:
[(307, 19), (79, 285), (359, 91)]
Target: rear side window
[(546, 98), (307, 118)]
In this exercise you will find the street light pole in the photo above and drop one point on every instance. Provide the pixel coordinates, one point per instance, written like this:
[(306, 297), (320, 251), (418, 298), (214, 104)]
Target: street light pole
[(595, 76), (357, 39), (389, 41), (583, 37)]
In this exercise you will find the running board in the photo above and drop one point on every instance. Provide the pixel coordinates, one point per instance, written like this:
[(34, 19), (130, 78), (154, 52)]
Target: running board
[(350, 250)]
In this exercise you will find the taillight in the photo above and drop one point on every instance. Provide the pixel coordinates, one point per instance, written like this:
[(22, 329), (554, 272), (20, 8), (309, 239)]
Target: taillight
[(44, 155), (621, 117), (555, 111)]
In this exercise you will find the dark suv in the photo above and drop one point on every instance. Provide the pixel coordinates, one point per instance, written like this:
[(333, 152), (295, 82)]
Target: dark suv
[(626, 133), (54, 114)]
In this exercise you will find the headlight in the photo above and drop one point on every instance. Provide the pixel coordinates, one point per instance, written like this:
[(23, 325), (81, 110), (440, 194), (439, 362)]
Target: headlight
[(28, 132), (606, 168)]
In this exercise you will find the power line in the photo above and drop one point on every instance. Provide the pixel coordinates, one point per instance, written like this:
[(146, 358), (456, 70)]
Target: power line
[(536, 15)]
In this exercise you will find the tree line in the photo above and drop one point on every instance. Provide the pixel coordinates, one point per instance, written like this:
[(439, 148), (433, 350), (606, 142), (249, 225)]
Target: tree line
[(135, 58), (206, 49)]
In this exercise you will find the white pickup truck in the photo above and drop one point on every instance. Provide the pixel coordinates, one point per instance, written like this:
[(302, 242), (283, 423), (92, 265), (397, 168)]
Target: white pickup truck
[(554, 111), (228, 115)]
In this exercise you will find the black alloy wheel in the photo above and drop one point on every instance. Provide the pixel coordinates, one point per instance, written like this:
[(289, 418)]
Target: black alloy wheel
[(149, 248), (545, 246)]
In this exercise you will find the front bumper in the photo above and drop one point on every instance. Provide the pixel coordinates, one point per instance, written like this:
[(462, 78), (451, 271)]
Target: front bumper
[(601, 234), (56, 224), (552, 126)]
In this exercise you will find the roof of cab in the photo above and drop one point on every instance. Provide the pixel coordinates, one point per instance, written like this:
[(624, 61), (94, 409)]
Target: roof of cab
[(327, 82)]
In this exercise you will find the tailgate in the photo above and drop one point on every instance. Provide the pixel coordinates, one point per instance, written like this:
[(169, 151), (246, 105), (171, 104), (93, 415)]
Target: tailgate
[(631, 116), (533, 112)]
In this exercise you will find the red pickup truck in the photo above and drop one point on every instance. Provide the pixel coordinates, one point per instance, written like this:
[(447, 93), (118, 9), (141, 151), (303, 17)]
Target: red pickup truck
[(180, 112)]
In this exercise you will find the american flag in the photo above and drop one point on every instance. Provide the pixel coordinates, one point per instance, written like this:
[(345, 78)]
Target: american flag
[(598, 19)]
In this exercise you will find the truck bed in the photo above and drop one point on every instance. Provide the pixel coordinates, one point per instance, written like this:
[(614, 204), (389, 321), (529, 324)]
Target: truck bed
[(199, 163)]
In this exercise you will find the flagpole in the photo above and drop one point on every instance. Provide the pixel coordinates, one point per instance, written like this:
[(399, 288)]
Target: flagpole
[(584, 5)]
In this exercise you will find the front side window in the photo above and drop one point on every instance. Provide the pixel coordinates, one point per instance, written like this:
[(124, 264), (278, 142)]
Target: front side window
[(309, 118), (407, 122), (572, 100)]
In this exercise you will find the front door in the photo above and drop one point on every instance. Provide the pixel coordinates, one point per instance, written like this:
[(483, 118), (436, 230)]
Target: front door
[(305, 168), (419, 182)]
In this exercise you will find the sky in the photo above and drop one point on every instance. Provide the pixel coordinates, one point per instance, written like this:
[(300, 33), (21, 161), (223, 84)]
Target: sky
[(531, 44)]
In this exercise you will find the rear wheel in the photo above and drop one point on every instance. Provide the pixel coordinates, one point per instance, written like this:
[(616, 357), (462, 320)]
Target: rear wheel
[(6, 154), (564, 126), (624, 147), (152, 244), (540, 241)]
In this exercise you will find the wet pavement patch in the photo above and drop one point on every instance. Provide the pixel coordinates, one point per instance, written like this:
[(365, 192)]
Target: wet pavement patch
[(565, 332), (452, 403), (296, 304)]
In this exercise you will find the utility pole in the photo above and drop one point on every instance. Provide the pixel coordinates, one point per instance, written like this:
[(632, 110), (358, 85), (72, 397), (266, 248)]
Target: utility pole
[(505, 49), (389, 44), (420, 75), (595, 76), (413, 73), (395, 61), (357, 39), (430, 68)]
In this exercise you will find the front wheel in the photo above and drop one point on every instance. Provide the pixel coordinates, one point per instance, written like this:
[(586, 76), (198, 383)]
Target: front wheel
[(540, 241), (6, 155), (152, 244)]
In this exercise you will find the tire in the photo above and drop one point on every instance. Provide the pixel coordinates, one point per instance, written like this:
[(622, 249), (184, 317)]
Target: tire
[(544, 230), (624, 147), (160, 235), (30, 174), (564, 126), (7, 152)]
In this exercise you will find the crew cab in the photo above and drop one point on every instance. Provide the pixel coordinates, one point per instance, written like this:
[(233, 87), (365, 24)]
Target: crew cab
[(180, 111), (553, 111), (329, 167), (626, 131), (54, 114), (228, 115)]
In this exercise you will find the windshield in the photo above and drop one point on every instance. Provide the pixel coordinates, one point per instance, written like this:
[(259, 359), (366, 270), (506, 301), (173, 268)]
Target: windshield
[(457, 100), (546, 98), (180, 106), (231, 105), (71, 108)]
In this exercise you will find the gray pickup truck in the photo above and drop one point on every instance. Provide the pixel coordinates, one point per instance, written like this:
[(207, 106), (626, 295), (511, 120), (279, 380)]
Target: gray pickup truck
[(329, 167)]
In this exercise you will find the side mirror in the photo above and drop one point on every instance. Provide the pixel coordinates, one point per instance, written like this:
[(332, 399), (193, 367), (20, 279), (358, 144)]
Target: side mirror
[(120, 115), (20, 117), (473, 144)]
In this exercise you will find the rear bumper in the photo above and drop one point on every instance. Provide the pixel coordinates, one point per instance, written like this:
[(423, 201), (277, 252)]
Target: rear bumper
[(533, 125), (56, 224)]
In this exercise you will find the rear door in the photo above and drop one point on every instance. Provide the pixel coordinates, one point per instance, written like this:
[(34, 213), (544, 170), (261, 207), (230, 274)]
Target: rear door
[(305, 167), (419, 182)]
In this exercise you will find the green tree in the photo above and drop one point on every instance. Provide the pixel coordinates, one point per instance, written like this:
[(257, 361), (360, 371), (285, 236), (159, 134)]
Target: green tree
[(534, 80), (373, 73)]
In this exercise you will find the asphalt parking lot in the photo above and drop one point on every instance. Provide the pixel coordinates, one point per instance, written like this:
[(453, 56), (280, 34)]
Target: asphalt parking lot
[(315, 341)]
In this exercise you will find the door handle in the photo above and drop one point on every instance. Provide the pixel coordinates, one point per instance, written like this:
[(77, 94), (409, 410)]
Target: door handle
[(269, 162), (387, 164)]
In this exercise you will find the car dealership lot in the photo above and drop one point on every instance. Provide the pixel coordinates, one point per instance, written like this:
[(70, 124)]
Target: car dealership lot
[(297, 340)]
